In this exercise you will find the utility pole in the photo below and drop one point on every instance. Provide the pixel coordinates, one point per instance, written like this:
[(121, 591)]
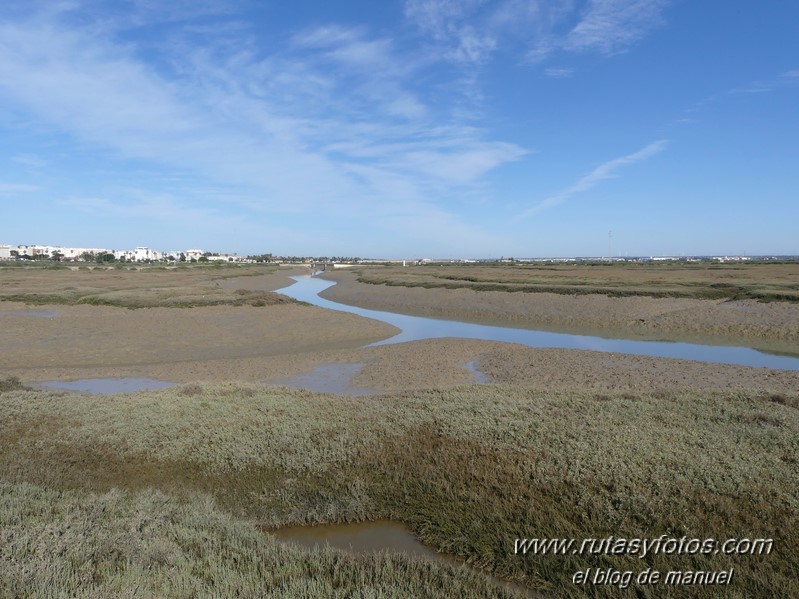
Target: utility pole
[(610, 255)]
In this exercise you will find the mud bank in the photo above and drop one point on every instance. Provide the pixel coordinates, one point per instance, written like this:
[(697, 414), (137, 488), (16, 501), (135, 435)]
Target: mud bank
[(770, 326)]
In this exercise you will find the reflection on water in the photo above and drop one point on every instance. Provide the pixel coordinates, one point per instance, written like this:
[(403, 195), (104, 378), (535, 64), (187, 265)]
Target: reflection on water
[(33, 313), (361, 537), (373, 537), (416, 327), (109, 385), (328, 378), (479, 377)]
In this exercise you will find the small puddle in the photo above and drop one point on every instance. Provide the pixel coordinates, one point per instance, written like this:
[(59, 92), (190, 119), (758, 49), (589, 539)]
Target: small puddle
[(109, 385), (374, 537), (33, 313), (328, 378), (361, 537), (479, 377)]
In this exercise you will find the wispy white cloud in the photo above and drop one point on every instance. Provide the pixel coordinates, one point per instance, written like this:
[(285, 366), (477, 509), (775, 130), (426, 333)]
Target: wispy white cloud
[(772, 84), (755, 87), (333, 122), (14, 189), (610, 26), (472, 46), (153, 206), (558, 73), (97, 92), (472, 31), (155, 11), (29, 160), (349, 47), (355, 66), (439, 16), (459, 166), (448, 22), (606, 27), (603, 172)]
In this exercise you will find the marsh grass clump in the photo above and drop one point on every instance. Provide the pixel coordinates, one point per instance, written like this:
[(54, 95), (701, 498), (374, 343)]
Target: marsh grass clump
[(470, 470), (11, 383), (191, 390), (784, 400), (177, 298)]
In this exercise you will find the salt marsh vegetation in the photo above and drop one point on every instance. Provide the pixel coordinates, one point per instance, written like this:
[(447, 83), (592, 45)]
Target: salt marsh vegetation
[(186, 480)]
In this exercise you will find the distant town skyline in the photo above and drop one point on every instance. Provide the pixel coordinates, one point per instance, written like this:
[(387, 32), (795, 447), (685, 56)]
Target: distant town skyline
[(84, 253), (35, 252), (480, 128)]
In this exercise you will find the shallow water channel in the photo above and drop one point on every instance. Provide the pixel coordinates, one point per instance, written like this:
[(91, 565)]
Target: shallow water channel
[(31, 313), (328, 378), (109, 385), (414, 328)]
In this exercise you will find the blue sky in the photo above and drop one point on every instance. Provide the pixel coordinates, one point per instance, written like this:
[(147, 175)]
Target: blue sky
[(424, 128)]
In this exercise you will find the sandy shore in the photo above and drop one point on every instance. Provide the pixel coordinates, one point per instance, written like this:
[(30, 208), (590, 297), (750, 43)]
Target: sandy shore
[(274, 343), (770, 326)]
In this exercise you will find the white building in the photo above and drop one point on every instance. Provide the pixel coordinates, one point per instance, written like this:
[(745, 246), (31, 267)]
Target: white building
[(139, 254), (78, 253), (144, 253), (226, 258)]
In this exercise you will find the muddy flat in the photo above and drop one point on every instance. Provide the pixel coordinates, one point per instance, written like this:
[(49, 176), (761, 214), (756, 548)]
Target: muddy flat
[(274, 342), (771, 326)]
